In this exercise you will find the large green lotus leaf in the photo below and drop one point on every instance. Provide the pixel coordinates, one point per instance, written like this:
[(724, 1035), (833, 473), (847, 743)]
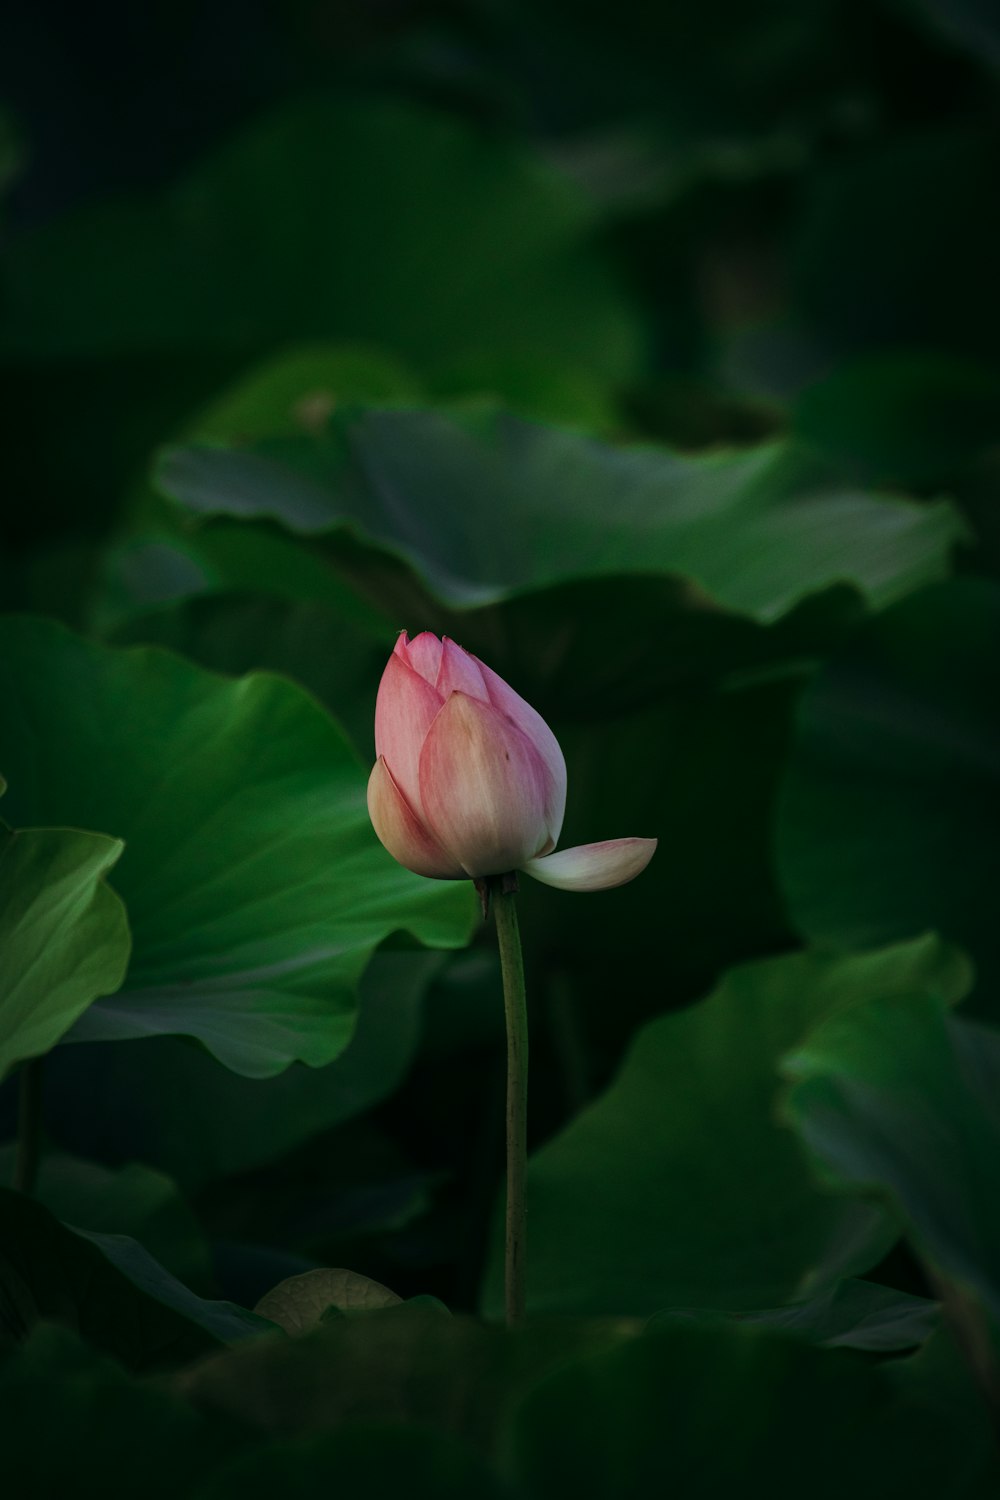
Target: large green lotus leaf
[(158, 559), (698, 769), (290, 394), (238, 631), (133, 1200), (678, 1187), (256, 889), (196, 1120), (106, 1288), (64, 937), (75, 1422), (898, 1097), (364, 1459), (709, 1412), (484, 505), (352, 220), (888, 816)]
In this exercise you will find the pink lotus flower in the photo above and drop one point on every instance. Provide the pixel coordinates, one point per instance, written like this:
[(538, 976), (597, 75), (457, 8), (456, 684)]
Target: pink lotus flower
[(470, 781)]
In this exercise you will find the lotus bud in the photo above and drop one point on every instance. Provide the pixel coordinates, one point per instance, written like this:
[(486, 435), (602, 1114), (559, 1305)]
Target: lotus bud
[(469, 780)]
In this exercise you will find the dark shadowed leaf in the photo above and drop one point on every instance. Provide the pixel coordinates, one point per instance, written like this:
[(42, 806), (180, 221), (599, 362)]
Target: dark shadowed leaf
[(889, 816), (679, 1187), (75, 1423), (169, 1102), (133, 1200), (899, 1098), (407, 1363), (225, 1321), (707, 1412), (50, 1273), (849, 1314), (754, 531), (364, 1460), (937, 1385)]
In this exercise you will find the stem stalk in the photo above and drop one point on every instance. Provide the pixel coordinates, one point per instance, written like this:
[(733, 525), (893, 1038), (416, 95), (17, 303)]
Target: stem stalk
[(516, 1011)]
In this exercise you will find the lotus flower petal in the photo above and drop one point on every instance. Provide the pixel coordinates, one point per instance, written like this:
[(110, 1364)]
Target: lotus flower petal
[(471, 780), (423, 654), (405, 708), (531, 723), (401, 831), (593, 867), (460, 673), (483, 788)]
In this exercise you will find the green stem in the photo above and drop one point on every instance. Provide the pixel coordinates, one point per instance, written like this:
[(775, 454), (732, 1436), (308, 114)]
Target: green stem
[(29, 1126), (515, 1007)]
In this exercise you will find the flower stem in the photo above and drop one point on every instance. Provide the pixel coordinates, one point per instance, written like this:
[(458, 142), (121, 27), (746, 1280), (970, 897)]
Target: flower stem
[(29, 1125), (515, 1007)]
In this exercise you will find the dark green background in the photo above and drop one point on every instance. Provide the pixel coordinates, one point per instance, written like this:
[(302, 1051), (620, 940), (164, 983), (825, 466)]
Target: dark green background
[(652, 353)]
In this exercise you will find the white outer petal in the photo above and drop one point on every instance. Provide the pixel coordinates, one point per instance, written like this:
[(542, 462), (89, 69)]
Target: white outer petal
[(593, 867)]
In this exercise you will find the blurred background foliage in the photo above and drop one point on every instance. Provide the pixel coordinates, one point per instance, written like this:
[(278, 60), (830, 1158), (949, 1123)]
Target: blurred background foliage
[(654, 355)]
